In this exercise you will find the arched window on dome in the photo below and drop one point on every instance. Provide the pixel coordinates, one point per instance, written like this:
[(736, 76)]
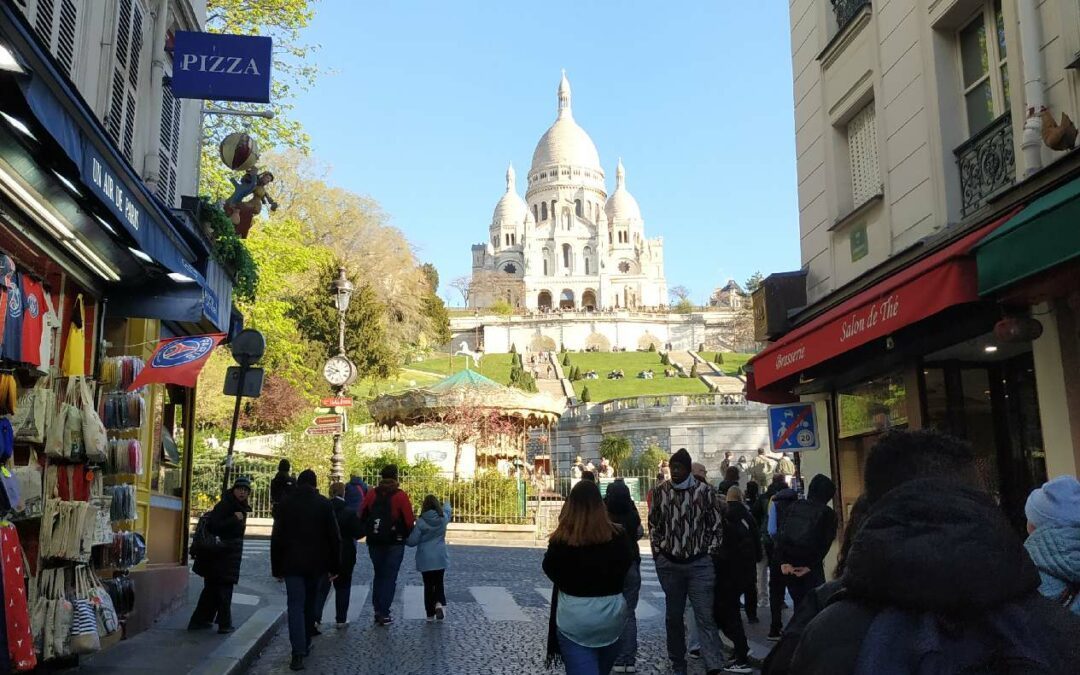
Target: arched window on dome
[(495, 240), (543, 211), (586, 253), (568, 257), (547, 264), (567, 221), (535, 213), (578, 209)]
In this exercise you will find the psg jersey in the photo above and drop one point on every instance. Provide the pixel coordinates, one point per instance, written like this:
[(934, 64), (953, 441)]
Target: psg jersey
[(13, 322)]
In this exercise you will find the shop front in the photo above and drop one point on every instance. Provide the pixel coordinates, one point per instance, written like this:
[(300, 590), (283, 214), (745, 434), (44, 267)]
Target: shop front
[(917, 349), (94, 272)]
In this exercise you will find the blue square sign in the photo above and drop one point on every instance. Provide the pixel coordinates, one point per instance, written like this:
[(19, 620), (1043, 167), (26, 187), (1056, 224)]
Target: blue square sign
[(220, 67), (793, 427)]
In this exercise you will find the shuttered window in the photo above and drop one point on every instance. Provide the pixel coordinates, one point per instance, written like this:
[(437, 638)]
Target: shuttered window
[(862, 147), (170, 146), (56, 23), (123, 93)]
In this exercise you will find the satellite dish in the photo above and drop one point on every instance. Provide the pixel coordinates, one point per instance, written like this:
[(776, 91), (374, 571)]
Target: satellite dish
[(248, 347)]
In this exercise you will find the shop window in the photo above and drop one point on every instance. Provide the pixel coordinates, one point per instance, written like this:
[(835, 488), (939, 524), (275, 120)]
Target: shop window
[(863, 155), (872, 407), (57, 24), (123, 97), (983, 67)]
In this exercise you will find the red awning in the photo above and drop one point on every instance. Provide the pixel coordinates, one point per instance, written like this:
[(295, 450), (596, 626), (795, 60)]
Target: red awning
[(935, 283)]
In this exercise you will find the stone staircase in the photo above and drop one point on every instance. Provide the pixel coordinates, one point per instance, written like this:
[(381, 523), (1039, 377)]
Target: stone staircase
[(682, 359), (558, 387), (713, 376)]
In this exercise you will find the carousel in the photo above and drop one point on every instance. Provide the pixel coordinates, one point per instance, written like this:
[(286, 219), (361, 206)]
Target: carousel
[(509, 428)]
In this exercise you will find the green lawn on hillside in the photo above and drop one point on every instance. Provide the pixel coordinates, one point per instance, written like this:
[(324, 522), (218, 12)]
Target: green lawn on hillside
[(631, 363), (494, 366), (732, 361), (407, 379)]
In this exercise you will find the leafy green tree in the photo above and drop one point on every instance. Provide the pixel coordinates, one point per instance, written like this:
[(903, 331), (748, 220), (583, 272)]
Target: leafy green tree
[(694, 370), (753, 282), (616, 450), (719, 358), (501, 308), (665, 360), (684, 306), (652, 346), (566, 360), (586, 397), (513, 348)]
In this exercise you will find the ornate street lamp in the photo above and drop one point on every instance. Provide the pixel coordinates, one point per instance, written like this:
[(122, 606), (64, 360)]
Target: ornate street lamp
[(339, 370)]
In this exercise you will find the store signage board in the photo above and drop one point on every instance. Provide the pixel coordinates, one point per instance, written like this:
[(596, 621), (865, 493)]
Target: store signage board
[(336, 402), (218, 67), (793, 427)]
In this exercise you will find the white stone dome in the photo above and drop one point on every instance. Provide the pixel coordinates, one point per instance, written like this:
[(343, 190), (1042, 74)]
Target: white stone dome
[(565, 142), (621, 205), (511, 208)]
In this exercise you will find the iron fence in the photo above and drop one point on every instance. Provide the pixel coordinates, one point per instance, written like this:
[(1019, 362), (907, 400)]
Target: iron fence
[(846, 10), (987, 163)]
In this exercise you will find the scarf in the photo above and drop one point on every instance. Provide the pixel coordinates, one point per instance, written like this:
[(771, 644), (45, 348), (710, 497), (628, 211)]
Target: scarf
[(686, 484), (553, 658)]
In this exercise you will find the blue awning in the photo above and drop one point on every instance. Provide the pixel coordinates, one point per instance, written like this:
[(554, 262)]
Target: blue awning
[(207, 303)]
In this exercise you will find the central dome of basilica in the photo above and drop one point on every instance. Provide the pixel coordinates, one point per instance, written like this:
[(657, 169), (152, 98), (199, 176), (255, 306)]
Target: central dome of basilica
[(565, 143)]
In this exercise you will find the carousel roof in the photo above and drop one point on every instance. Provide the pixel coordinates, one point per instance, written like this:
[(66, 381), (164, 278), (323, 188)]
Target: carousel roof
[(467, 387)]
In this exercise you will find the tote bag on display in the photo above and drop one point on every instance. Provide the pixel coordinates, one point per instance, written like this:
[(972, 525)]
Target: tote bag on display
[(74, 361)]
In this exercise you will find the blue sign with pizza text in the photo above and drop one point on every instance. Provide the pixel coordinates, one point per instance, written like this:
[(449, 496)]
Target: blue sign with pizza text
[(793, 427), (219, 67)]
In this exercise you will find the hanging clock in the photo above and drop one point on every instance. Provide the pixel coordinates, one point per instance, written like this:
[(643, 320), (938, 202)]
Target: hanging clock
[(339, 371)]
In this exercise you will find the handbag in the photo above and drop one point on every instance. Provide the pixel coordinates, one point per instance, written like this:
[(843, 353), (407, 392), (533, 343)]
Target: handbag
[(84, 633), (90, 589), (65, 433), (204, 542), (29, 480), (103, 533), (32, 413), (74, 362), (95, 440)]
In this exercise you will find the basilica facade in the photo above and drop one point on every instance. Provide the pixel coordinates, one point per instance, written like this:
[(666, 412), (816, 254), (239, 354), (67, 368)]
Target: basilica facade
[(568, 245)]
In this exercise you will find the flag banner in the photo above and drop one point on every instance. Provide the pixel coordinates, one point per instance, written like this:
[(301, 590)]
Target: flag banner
[(178, 360)]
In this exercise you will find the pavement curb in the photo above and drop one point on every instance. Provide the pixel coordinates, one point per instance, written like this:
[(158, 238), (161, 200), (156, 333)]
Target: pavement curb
[(242, 647)]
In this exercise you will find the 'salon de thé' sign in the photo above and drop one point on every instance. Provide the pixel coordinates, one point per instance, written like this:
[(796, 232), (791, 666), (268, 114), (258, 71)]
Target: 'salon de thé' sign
[(222, 67)]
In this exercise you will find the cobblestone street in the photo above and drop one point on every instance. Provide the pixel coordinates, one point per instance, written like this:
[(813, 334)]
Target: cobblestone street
[(496, 622)]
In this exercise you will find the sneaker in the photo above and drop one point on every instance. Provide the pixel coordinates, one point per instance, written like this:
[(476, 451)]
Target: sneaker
[(738, 666), (341, 624), (617, 668), (774, 636), (200, 626), (694, 653), (440, 612), (630, 669), (225, 630), (431, 619), (384, 620), (297, 662)]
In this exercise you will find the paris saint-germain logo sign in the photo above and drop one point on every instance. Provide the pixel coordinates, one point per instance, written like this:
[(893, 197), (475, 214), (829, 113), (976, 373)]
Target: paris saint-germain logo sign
[(32, 307), (15, 303), (182, 352)]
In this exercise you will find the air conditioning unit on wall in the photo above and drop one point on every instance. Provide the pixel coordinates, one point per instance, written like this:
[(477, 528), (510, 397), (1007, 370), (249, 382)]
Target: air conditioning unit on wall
[(773, 299)]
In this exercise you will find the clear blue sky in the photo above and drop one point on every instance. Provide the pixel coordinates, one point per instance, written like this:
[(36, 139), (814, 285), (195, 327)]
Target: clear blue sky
[(428, 101)]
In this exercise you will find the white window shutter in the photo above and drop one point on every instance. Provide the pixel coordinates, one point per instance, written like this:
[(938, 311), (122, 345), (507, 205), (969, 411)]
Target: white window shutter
[(169, 154), (123, 97), (56, 23), (862, 149)]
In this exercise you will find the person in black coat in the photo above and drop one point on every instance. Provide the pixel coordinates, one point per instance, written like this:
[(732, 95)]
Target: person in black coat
[(735, 573), (351, 529), (622, 511), (305, 547), (282, 485), (220, 569)]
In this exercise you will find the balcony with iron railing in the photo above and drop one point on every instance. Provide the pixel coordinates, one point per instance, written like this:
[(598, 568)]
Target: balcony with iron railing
[(987, 163), (846, 10)]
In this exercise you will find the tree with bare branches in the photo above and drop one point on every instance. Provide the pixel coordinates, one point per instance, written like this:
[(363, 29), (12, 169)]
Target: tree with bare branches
[(470, 423)]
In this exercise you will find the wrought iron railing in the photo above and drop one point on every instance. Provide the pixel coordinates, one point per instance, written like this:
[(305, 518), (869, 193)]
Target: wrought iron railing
[(846, 10), (987, 163)]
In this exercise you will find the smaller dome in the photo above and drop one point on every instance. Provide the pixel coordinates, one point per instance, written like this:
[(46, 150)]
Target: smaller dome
[(511, 208), (621, 205)]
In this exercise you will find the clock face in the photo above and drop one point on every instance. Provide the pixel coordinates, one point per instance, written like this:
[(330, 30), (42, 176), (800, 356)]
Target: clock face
[(338, 370)]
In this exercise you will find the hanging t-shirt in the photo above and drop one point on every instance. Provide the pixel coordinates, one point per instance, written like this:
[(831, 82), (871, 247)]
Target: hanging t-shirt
[(13, 324), (50, 322), (33, 320)]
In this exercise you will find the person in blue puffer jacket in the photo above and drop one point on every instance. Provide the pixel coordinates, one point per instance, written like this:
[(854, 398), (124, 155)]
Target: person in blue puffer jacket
[(355, 490), (429, 538), (1053, 514)]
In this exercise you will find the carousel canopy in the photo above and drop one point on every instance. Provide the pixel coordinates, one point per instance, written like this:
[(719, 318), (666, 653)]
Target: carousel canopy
[(465, 388)]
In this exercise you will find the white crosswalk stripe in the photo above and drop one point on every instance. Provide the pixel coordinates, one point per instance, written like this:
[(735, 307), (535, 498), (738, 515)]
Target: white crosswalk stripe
[(356, 604), (497, 603), (413, 598), (245, 599)]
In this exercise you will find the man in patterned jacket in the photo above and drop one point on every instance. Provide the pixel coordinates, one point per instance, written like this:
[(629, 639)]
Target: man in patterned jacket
[(685, 528)]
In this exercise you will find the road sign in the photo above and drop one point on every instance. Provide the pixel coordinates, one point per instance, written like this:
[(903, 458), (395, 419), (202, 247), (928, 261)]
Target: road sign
[(793, 427), (322, 431), (253, 382), (327, 421), (337, 402)]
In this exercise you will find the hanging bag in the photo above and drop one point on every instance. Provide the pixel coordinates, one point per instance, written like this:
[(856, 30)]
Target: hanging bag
[(84, 633), (29, 478), (74, 361), (33, 411), (95, 440)]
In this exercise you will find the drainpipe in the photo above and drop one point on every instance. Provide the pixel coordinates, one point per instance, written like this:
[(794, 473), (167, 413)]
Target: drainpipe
[(1034, 88), (152, 159)]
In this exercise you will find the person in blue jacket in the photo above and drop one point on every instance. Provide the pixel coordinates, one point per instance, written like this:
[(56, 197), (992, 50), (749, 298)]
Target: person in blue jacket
[(1053, 515), (429, 538)]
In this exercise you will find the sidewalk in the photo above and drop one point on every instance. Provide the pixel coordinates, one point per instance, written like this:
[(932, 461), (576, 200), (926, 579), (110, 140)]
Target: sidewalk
[(169, 646)]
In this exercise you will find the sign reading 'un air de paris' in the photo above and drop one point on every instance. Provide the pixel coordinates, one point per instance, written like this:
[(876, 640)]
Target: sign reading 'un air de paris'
[(222, 67)]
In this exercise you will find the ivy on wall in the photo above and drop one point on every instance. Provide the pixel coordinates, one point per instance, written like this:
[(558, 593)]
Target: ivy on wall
[(229, 250)]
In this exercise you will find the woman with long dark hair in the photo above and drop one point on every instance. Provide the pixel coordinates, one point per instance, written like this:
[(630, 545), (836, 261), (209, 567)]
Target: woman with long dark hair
[(587, 560)]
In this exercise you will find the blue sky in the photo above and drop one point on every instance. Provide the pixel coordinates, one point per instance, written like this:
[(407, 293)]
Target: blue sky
[(426, 102)]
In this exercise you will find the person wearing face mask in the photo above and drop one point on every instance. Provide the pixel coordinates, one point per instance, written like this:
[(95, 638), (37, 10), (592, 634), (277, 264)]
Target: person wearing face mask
[(220, 568)]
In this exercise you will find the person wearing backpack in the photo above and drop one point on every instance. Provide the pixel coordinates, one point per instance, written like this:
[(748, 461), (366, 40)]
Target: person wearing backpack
[(282, 484), (778, 504), (220, 568), (1053, 515), (351, 529), (734, 565), (804, 536), (355, 491), (388, 520), (429, 538)]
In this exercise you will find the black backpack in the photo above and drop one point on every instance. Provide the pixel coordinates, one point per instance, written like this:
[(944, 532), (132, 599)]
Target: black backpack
[(798, 533), (204, 542), (379, 524)]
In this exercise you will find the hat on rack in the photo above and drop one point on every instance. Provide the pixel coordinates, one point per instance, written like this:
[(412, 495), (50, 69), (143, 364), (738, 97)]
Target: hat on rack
[(242, 482)]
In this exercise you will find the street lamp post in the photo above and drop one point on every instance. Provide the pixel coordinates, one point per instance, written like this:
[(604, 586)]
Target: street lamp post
[(339, 371)]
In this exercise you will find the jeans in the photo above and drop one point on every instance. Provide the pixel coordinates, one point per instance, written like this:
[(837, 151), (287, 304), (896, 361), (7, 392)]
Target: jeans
[(386, 561), (694, 581), (434, 593), (581, 660), (342, 591), (302, 593), (763, 581), (693, 635), (215, 603), (627, 650)]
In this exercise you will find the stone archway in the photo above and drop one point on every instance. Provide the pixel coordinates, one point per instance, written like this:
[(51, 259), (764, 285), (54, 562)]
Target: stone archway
[(542, 343), (588, 300), (598, 342), (543, 300), (566, 299), (648, 339)]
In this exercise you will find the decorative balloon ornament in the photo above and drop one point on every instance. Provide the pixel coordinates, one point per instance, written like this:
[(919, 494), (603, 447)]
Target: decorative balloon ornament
[(240, 152)]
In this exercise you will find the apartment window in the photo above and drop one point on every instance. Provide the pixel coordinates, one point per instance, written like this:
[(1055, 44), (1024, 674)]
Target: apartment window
[(56, 23), (983, 67), (862, 153), (123, 97)]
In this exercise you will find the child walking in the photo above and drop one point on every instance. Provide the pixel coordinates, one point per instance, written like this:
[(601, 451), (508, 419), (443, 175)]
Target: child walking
[(429, 538)]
